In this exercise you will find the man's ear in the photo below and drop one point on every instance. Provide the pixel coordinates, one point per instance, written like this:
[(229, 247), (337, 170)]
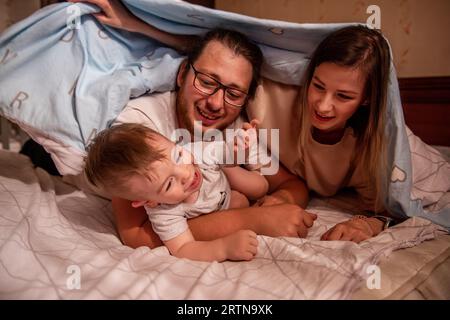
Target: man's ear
[(182, 72), (365, 103)]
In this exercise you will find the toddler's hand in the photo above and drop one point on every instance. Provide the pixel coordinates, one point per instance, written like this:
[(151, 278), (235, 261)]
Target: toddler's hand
[(246, 139), (241, 245), (251, 135)]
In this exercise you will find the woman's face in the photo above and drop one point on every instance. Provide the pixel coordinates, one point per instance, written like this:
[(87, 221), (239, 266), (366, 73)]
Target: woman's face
[(335, 93)]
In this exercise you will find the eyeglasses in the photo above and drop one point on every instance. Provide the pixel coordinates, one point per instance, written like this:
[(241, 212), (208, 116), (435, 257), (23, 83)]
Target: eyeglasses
[(209, 86)]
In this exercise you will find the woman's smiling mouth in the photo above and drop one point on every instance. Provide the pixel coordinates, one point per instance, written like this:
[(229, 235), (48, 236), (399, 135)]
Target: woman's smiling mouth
[(322, 118)]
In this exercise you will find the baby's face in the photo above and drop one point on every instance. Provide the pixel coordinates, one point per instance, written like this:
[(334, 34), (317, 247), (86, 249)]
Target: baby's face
[(172, 180)]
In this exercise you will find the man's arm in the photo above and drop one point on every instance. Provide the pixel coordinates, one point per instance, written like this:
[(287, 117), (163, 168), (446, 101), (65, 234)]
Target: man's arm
[(133, 225), (285, 187), (115, 14), (284, 217), (288, 220), (178, 42)]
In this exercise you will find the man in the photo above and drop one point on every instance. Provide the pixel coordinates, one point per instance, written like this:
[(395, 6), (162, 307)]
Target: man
[(214, 85)]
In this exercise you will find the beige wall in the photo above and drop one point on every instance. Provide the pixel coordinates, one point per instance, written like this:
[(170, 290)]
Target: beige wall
[(12, 11), (418, 30)]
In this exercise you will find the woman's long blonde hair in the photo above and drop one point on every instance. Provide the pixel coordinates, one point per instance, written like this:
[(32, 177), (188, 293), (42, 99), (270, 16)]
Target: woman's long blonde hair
[(365, 49)]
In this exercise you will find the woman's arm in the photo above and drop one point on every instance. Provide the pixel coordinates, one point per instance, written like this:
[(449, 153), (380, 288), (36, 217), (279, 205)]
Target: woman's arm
[(357, 229), (115, 14)]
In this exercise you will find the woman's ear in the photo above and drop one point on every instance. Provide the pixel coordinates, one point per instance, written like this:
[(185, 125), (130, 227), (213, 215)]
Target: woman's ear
[(182, 72), (365, 103)]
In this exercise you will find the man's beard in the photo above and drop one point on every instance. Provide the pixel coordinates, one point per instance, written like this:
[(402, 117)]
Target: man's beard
[(182, 111), (187, 122)]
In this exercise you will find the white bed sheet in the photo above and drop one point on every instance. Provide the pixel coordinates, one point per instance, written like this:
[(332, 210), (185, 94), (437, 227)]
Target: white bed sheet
[(49, 231)]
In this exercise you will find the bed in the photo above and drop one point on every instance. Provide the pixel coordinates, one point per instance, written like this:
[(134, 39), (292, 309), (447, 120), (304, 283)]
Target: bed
[(58, 242)]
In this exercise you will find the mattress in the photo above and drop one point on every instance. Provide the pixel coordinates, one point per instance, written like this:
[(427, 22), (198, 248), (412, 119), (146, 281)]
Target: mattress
[(57, 242)]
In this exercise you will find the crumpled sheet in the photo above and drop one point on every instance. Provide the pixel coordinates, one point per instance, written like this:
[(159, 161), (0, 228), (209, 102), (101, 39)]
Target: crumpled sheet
[(57, 242)]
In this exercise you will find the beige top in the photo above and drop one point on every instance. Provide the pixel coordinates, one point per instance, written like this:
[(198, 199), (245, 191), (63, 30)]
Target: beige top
[(326, 169)]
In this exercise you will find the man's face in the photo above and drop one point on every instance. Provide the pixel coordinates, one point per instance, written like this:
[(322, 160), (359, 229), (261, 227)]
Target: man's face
[(219, 62)]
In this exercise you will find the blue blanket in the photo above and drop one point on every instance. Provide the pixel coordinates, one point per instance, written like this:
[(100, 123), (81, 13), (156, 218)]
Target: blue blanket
[(64, 77)]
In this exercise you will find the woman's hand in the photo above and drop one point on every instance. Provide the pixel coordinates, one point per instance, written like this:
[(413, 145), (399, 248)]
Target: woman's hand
[(356, 229), (114, 14)]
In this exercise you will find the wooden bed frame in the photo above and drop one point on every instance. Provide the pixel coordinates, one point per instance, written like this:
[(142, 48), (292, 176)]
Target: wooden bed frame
[(426, 105)]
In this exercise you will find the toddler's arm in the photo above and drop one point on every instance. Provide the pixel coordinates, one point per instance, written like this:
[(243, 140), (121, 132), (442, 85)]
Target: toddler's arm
[(250, 183), (240, 245)]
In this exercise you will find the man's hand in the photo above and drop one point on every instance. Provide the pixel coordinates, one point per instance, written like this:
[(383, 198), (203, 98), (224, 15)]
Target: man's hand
[(356, 230), (113, 14), (285, 220)]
